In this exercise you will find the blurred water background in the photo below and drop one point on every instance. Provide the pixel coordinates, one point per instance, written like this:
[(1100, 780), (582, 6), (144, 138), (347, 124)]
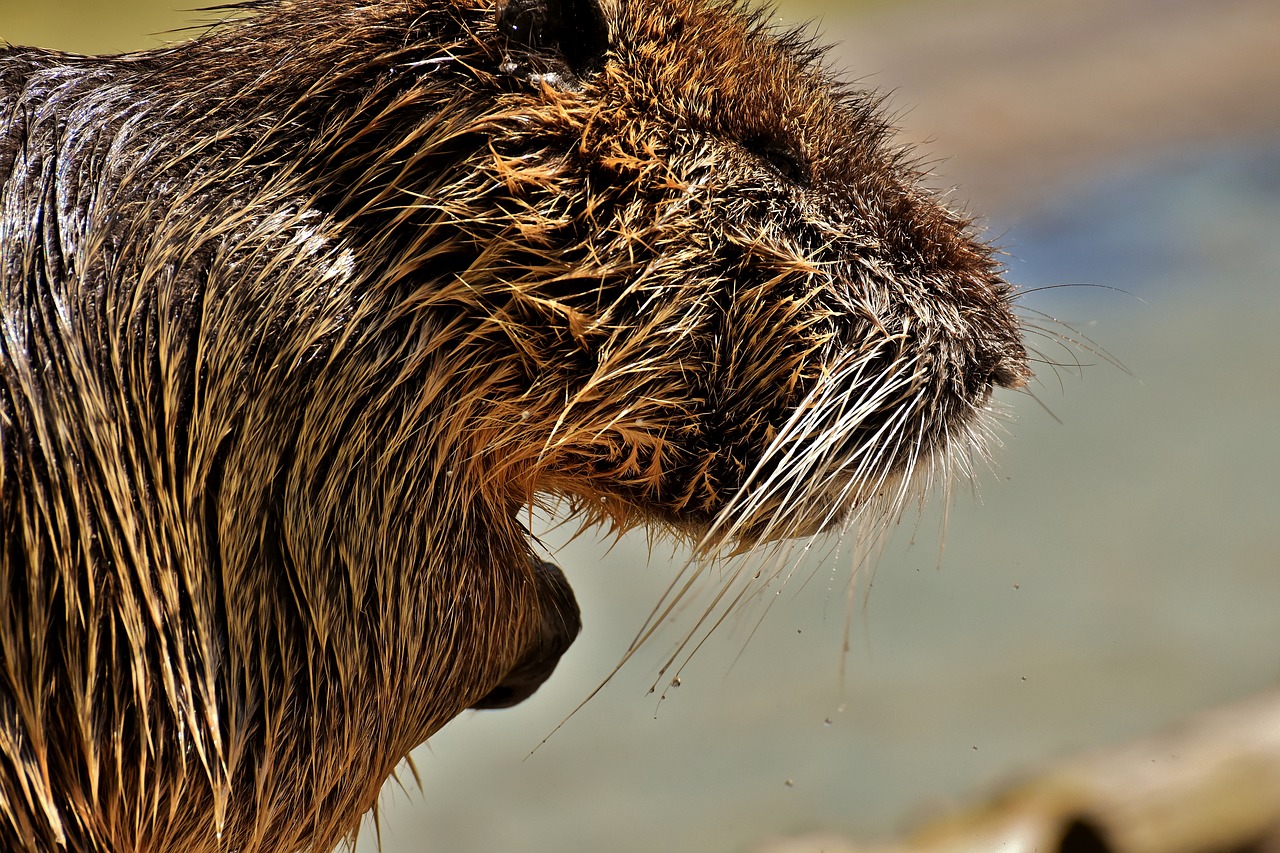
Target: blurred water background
[(1119, 569)]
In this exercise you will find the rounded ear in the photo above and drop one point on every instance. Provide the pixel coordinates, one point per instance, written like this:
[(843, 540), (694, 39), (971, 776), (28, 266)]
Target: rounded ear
[(543, 34), (559, 624)]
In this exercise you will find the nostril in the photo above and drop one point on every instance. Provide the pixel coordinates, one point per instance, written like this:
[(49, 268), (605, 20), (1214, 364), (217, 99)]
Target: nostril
[(1009, 368), (1010, 376)]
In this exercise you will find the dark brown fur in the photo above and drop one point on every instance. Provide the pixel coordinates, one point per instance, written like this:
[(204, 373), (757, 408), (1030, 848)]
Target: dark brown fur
[(295, 317)]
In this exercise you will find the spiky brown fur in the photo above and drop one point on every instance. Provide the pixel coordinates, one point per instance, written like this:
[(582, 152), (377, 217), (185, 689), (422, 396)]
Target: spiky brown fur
[(297, 315)]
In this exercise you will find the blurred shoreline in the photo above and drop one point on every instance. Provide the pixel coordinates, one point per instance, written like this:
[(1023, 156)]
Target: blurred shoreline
[(1016, 100)]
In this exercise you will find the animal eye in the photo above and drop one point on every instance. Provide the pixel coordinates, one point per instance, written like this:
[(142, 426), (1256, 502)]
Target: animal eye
[(787, 160), (571, 30)]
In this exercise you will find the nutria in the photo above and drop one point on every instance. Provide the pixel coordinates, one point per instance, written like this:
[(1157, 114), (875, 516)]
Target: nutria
[(298, 315)]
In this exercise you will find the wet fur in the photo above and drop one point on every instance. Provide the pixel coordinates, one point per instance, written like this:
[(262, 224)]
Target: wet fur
[(298, 315)]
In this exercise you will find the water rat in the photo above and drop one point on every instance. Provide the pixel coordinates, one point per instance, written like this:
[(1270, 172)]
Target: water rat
[(296, 316)]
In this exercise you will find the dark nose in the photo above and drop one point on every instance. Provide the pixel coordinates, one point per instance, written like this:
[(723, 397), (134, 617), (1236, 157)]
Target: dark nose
[(1012, 372)]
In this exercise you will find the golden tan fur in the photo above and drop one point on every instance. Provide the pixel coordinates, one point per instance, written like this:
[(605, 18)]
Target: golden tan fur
[(298, 315)]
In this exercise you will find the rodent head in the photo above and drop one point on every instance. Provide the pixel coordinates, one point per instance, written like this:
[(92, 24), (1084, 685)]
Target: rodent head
[(681, 271), (737, 309)]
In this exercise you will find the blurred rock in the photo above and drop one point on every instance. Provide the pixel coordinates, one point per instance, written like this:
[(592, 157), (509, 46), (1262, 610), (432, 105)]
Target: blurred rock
[(1211, 785)]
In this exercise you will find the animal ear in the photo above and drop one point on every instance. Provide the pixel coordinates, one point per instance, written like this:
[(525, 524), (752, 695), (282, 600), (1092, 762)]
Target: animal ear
[(541, 34)]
